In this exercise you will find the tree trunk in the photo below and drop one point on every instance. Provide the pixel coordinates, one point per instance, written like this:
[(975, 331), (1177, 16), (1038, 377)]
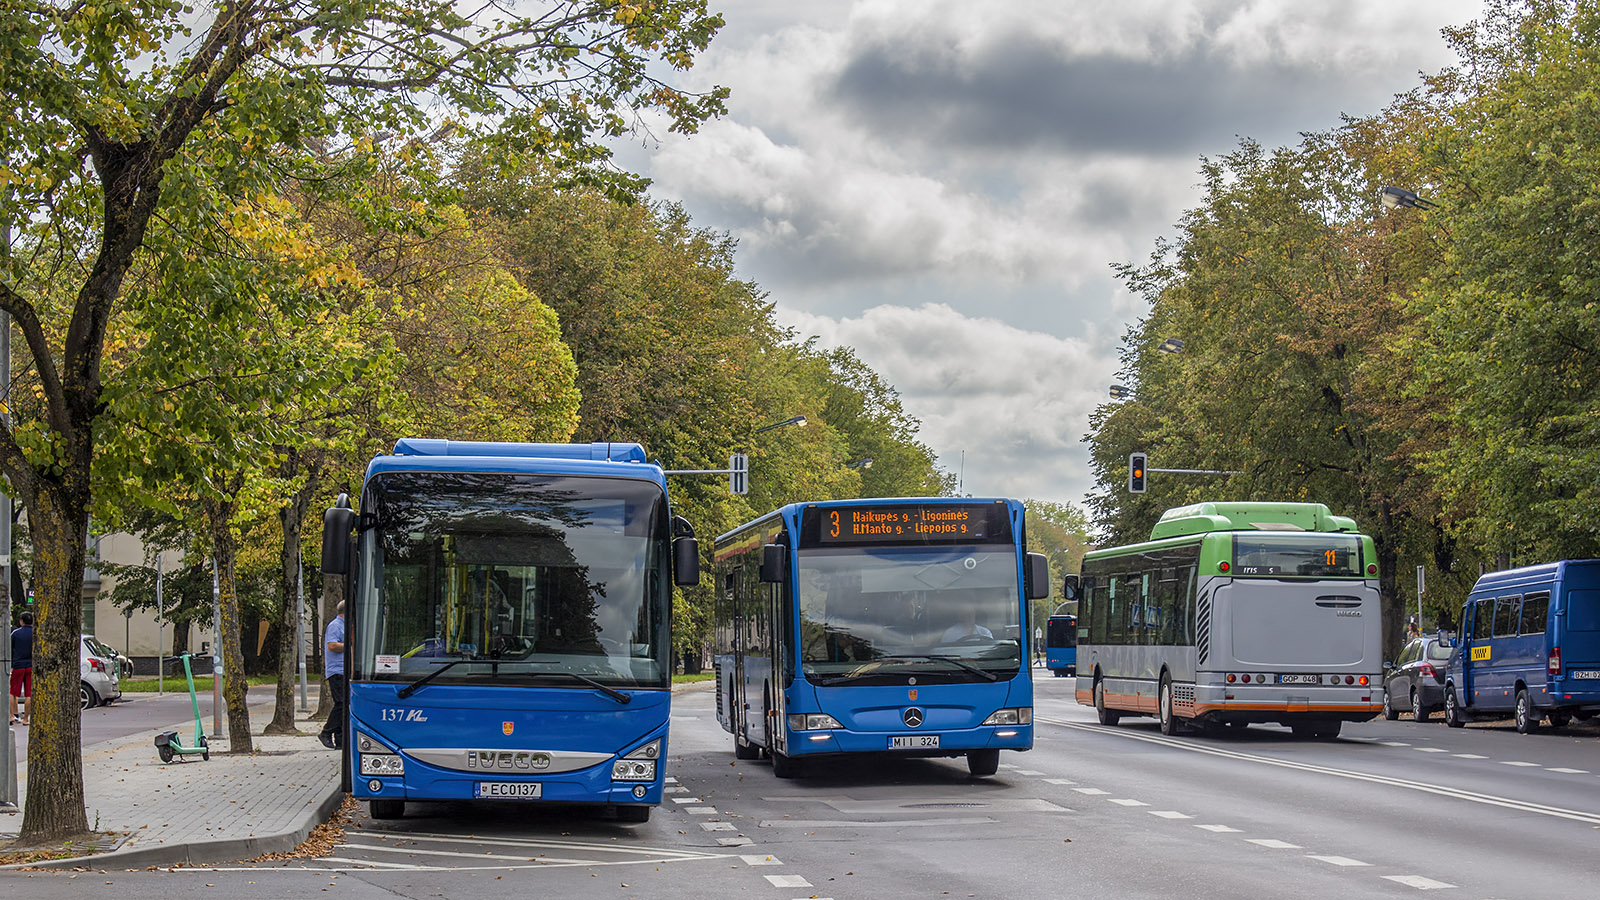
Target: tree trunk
[(54, 808), (234, 684), (292, 515)]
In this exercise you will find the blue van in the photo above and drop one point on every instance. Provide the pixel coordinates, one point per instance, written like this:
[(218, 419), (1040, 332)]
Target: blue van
[(1529, 647)]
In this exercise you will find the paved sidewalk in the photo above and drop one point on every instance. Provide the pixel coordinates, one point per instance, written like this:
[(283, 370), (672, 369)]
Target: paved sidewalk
[(194, 811)]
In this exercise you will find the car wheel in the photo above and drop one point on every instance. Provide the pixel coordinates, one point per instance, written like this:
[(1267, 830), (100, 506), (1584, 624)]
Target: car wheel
[(1169, 723), (1418, 711), (87, 698), (1389, 712), (983, 763), (1107, 716), (1452, 712), (1526, 716)]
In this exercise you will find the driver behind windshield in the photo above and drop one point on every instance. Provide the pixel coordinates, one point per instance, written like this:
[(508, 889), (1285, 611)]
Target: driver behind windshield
[(966, 628)]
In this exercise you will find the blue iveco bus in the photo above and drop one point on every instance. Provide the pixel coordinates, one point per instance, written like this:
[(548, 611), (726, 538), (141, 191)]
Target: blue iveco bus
[(1061, 644), (877, 626), (507, 624), (1529, 647)]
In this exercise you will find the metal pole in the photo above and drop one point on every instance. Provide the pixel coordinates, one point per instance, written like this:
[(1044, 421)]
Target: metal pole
[(300, 628), (216, 651), (161, 652), (8, 746)]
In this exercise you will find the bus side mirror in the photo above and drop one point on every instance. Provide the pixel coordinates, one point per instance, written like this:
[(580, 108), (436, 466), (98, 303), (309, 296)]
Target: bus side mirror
[(1069, 587), (337, 523), (774, 563), (1036, 577), (686, 562)]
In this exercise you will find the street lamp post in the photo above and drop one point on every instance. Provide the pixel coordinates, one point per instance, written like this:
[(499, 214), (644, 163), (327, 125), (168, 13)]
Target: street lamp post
[(1121, 392), (797, 421), (860, 464), (1393, 197)]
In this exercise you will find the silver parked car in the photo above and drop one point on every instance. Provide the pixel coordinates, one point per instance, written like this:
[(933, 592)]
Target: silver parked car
[(1415, 682), (99, 673)]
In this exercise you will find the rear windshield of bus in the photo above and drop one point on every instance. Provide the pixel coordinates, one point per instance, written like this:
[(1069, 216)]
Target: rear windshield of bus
[(1309, 554)]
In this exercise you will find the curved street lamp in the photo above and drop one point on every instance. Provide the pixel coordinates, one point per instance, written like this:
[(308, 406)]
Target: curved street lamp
[(860, 464), (1393, 197), (1119, 392), (798, 421), (1171, 345)]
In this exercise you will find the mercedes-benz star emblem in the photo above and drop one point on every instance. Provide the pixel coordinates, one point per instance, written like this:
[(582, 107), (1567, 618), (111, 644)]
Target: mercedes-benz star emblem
[(912, 717)]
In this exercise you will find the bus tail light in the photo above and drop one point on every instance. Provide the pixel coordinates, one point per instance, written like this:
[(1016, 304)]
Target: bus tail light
[(1232, 678), (1554, 666), (1364, 681)]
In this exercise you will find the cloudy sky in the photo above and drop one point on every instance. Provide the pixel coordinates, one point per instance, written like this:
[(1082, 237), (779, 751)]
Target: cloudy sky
[(939, 182)]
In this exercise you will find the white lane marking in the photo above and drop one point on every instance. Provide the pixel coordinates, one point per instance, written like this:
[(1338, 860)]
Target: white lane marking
[(1028, 772), (718, 826), (761, 860), (1273, 844), (416, 838), (1008, 765), (469, 854), (856, 823), (687, 800), (1169, 814), (359, 863), (1337, 860), (1570, 771), (701, 810), (1058, 781), (1432, 750), (675, 789), (1418, 882), (672, 779), (1129, 802), (1093, 792), (735, 842), (1469, 756), (1220, 829), (1423, 787), (787, 881), (1394, 743), (1517, 763)]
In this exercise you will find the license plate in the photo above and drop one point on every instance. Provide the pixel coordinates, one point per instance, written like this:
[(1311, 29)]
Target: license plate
[(914, 742), (1299, 679), (507, 790), (1584, 673)]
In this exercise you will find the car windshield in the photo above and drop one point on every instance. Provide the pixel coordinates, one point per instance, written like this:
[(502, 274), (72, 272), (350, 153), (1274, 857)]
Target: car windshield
[(517, 579), (1438, 651), (867, 614)]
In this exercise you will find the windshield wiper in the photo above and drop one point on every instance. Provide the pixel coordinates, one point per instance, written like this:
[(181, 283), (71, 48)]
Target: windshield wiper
[(611, 692), (411, 688), (953, 661)]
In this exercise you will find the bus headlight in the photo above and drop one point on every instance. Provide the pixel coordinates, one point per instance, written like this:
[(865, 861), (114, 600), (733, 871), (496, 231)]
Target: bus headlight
[(640, 765), (1019, 715), (382, 764), (812, 722)]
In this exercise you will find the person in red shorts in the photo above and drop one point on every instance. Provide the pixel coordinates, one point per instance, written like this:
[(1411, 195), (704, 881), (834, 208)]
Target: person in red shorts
[(21, 666)]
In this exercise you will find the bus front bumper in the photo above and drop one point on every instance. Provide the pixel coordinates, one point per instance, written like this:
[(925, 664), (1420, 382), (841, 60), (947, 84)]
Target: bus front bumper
[(951, 742)]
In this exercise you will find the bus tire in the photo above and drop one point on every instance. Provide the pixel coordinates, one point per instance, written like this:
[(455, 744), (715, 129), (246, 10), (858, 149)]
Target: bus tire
[(1170, 726), (386, 809), (1452, 709), (983, 763), (1106, 716), (784, 765), (1527, 717), (634, 814), (743, 749)]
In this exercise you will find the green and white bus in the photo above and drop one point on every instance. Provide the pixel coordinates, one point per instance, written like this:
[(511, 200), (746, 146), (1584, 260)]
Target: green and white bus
[(1232, 614)]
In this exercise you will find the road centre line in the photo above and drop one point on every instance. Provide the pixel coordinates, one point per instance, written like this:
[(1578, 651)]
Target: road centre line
[(1468, 756), (1525, 765), (1570, 771), (1221, 829), (1273, 844), (1417, 881), (1422, 787), (1337, 860)]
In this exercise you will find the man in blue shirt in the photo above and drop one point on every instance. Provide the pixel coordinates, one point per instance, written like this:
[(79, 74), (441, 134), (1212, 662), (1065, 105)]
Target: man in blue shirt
[(21, 666), (333, 667)]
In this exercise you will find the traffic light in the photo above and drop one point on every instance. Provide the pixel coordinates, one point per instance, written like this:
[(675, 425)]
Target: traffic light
[(738, 474), (1136, 470)]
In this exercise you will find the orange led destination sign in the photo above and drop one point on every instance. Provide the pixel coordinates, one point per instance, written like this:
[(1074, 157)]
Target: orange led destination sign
[(902, 524)]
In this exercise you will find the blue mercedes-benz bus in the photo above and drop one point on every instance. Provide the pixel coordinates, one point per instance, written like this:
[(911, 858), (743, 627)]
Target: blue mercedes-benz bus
[(1061, 644), (894, 626), (507, 624), (1529, 647)]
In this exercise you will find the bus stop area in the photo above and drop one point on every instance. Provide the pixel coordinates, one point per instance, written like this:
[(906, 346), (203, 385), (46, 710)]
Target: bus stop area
[(190, 811)]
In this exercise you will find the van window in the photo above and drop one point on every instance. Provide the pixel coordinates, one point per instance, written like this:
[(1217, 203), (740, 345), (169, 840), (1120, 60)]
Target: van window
[(1483, 619), (1535, 610), (1505, 616), (1583, 610)]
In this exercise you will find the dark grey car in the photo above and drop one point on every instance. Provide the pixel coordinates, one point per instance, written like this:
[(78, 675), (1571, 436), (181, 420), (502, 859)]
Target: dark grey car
[(1415, 683)]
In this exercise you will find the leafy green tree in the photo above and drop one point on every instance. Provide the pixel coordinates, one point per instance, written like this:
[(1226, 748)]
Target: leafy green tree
[(133, 115)]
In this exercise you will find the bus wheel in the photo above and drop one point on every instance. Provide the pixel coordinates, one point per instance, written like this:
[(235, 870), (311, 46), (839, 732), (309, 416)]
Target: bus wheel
[(983, 763), (634, 813), (743, 749), (1107, 716), (387, 809), (1452, 712), (1527, 716), (784, 765), (1169, 723)]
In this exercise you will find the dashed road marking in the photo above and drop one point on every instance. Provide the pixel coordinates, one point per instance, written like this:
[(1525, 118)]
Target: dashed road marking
[(1337, 860), (787, 881), (1169, 814), (1432, 750), (718, 826), (1518, 763), (1570, 771), (1469, 756), (1220, 829), (1273, 844), (675, 789), (1418, 882), (1028, 772), (735, 842), (701, 810), (687, 800), (1093, 792), (1058, 781), (1394, 743), (1129, 802), (761, 860)]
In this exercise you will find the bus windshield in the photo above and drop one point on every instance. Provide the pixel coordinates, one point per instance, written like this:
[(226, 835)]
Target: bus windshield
[(870, 614), (1304, 554), (477, 578)]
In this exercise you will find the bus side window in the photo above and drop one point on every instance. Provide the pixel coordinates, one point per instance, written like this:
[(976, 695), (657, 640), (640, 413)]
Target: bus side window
[(1505, 615), (1535, 612), (1483, 619)]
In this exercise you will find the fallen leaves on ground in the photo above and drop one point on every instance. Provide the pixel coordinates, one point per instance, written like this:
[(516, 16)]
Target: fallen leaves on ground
[(323, 838)]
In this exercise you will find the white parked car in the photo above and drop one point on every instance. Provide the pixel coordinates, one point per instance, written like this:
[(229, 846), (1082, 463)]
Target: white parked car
[(100, 676)]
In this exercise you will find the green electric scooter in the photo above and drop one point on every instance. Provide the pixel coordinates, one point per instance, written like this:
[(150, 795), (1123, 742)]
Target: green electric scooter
[(167, 743)]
